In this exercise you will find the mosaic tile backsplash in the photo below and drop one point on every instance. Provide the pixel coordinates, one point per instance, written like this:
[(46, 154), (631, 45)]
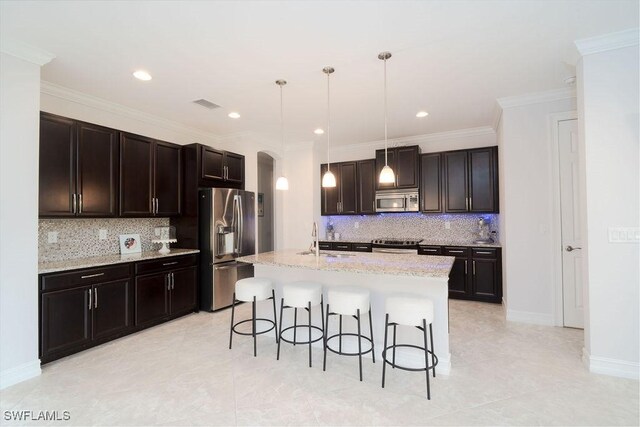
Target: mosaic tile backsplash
[(463, 227), (78, 237)]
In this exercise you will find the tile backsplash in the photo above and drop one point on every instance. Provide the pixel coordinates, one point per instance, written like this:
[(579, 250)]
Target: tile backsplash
[(432, 227), (79, 237)]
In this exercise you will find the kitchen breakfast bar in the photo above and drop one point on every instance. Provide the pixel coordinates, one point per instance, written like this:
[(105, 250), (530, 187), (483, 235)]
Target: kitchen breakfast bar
[(382, 274)]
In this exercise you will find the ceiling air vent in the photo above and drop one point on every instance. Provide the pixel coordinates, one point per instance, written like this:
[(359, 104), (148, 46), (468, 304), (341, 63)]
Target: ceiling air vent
[(206, 104)]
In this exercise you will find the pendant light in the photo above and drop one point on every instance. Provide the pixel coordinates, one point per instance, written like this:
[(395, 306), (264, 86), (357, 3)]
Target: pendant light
[(386, 174), (328, 179), (282, 183)]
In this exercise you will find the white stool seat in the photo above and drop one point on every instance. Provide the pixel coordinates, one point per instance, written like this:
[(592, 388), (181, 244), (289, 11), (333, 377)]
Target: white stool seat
[(409, 310), (346, 300), (258, 287), (300, 294)]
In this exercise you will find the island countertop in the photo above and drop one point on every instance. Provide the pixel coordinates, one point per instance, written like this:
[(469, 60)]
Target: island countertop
[(358, 262)]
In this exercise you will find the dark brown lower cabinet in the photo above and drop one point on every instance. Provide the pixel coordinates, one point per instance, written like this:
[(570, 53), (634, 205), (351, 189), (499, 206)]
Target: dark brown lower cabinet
[(83, 308)]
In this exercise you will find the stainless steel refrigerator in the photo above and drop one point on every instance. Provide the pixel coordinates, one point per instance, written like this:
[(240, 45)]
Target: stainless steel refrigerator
[(227, 231)]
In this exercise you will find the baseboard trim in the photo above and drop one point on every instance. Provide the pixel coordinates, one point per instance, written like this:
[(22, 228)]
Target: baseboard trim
[(19, 373), (530, 317), (611, 367)]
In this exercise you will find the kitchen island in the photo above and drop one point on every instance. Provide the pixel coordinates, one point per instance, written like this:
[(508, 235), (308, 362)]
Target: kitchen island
[(382, 275)]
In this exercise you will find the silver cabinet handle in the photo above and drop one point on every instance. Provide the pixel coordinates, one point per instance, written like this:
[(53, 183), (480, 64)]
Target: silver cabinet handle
[(89, 299), (465, 266), (571, 248), (80, 203), (484, 253), (456, 252), (170, 263), (95, 298), (474, 268), (73, 203), (157, 205), (173, 281), (92, 275), (167, 280)]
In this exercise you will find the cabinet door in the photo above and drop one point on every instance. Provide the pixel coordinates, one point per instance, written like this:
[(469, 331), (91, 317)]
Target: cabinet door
[(212, 164), (485, 278), (111, 308), (97, 170), (168, 178), (407, 160), (483, 174), (57, 168), (458, 278), (391, 159), (455, 182), (235, 167), (65, 320), (430, 182), (136, 175), (330, 196), (183, 291), (152, 298), (348, 188), (366, 184)]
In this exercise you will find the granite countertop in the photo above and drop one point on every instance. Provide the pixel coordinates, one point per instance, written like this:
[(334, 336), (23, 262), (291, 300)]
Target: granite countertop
[(425, 242), (360, 262), (97, 261)]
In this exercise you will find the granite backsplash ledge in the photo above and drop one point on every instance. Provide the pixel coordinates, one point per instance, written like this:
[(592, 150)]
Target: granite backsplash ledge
[(431, 227), (79, 237)]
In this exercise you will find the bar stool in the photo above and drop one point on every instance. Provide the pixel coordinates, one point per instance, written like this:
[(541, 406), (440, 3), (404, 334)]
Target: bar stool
[(253, 289), (409, 310), (301, 295), (348, 301)]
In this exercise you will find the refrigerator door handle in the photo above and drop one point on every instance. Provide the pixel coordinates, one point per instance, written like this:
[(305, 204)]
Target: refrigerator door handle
[(236, 222), (241, 225)]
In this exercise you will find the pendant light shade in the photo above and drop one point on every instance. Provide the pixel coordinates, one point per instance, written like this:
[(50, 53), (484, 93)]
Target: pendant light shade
[(328, 179), (386, 174), (282, 183)]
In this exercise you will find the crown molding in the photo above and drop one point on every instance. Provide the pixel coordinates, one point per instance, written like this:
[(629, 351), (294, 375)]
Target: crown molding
[(26, 52), (417, 139), (497, 116), (605, 42), (537, 98), (71, 95)]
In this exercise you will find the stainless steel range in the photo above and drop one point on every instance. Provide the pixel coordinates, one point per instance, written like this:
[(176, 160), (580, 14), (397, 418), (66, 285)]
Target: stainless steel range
[(396, 246)]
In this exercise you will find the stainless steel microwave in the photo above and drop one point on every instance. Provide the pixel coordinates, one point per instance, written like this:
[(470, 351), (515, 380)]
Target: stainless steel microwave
[(397, 201)]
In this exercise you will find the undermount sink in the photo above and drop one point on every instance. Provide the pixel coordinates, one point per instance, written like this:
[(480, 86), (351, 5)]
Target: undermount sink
[(483, 242), (324, 254)]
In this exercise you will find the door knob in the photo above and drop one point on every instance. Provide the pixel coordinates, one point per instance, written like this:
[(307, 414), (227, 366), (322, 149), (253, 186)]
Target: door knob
[(571, 248)]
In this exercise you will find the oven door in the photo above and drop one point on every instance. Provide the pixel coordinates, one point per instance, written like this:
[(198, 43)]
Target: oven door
[(390, 202)]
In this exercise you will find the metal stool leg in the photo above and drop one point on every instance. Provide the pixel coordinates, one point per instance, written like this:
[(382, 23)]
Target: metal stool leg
[(295, 325), (233, 309), (326, 332), (309, 333), (359, 345), (275, 319), (373, 352), (280, 333), (426, 357), (384, 349), (322, 313), (340, 339), (433, 351), (253, 330), (394, 346)]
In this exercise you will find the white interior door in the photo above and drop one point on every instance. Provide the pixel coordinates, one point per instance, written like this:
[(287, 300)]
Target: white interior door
[(572, 289)]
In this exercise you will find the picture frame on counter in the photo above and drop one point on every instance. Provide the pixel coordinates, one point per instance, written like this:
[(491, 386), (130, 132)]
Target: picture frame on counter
[(130, 244)]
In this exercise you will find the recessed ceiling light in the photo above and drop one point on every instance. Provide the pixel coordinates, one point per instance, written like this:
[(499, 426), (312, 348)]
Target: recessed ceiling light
[(142, 75), (234, 115), (318, 131), (422, 114)]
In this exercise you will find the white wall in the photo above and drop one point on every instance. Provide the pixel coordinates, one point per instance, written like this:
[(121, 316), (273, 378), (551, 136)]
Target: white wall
[(527, 209), (19, 135), (609, 116)]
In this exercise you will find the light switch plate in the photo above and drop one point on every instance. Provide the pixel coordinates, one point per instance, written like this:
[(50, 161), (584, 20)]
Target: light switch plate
[(447, 225), (102, 234), (52, 237), (356, 225), (624, 234)]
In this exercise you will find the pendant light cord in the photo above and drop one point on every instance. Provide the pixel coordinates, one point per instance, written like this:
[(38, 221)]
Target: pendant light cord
[(385, 113), (281, 121), (328, 120)]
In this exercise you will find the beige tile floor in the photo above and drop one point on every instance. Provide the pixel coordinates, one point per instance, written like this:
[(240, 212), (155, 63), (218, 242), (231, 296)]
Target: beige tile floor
[(182, 373)]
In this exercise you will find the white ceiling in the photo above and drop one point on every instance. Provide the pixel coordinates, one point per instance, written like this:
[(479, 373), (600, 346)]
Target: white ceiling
[(452, 59)]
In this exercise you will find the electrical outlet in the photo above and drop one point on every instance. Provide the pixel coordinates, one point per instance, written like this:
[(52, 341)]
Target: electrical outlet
[(52, 237), (157, 231), (102, 234), (624, 234), (356, 225), (447, 225)]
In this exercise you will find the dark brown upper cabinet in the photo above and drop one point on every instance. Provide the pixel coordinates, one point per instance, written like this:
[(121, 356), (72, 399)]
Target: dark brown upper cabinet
[(366, 186), (330, 197), (431, 183), (78, 168), (220, 168), (150, 177), (471, 180), (405, 163)]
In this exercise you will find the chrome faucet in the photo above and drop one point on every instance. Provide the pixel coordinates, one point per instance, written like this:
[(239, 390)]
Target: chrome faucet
[(315, 246)]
